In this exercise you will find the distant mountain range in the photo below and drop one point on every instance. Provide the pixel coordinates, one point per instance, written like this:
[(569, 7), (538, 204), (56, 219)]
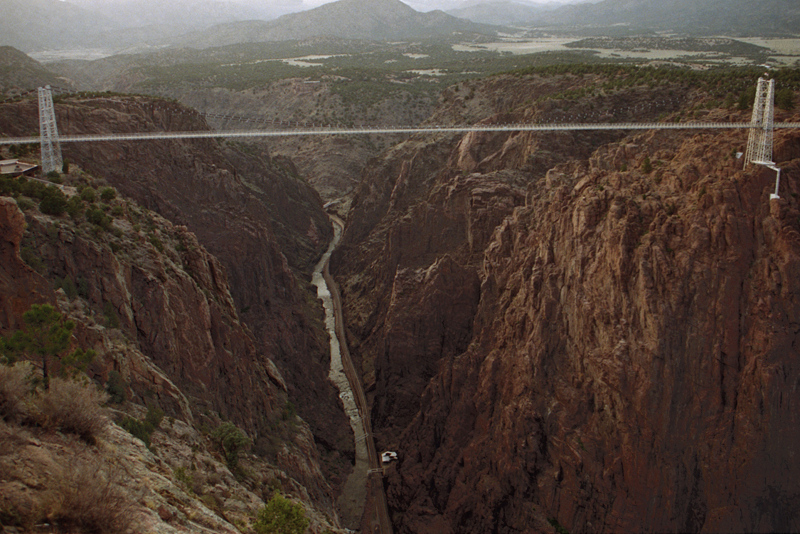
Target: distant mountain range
[(120, 25), (699, 17), (20, 73), (707, 17), (502, 13), (36, 25), (377, 20)]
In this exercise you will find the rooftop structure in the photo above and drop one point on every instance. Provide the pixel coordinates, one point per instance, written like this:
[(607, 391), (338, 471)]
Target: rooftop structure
[(14, 167)]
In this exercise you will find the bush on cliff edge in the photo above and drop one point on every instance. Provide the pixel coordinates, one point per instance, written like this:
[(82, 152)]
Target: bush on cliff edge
[(281, 516)]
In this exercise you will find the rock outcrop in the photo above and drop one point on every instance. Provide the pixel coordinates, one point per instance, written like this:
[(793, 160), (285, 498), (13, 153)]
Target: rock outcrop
[(586, 341), (20, 286), (156, 308), (252, 212)]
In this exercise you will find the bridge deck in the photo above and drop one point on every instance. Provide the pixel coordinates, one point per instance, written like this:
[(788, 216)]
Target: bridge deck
[(208, 134)]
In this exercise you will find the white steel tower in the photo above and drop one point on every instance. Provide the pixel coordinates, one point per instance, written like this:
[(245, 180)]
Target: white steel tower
[(762, 125), (759, 144), (48, 132)]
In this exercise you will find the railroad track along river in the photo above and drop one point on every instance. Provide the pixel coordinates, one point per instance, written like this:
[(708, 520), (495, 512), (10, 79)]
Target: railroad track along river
[(363, 501)]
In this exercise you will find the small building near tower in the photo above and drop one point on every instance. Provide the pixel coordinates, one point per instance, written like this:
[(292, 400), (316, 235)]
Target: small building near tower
[(14, 167)]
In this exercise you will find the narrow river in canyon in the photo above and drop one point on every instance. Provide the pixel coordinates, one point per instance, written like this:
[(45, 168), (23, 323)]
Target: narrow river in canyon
[(352, 499)]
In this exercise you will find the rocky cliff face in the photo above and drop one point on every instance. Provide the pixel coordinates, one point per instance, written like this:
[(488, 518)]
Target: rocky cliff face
[(251, 211), (332, 164), (20, 286), (156, 308), (560, 337)]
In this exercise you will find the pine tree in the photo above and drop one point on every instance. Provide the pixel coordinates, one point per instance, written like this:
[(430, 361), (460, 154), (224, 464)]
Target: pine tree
[(46, 335)]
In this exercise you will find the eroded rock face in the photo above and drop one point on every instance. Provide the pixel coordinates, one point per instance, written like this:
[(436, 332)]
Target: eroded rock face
[(156, 308), (20, 286), (634, 365), (177, 309), (411, 286), (265, 225), (630, 363)]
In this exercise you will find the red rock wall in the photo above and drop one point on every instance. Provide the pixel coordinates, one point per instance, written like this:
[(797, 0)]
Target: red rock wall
[(265, 226), (631, 364), (635, 363), (20, 286)]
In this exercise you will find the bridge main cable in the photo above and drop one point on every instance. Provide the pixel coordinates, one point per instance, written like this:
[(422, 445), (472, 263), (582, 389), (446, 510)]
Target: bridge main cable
[(544, 127)]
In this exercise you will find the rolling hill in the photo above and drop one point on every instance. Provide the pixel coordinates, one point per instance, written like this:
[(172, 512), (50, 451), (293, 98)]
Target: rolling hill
[(375, 20), (503, 13), (707, 17)]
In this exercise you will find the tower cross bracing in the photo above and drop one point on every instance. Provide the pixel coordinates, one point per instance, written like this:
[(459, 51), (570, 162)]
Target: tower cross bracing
[(762, 124), (48, 132)]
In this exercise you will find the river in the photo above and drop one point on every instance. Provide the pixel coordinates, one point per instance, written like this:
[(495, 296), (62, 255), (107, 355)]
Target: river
[(351, 502)]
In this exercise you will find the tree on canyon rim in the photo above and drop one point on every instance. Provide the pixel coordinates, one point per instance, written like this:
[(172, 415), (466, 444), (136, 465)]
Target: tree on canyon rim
[(46, 335)]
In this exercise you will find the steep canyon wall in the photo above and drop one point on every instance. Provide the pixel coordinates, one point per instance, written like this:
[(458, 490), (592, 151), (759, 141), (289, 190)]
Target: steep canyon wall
[(217, 308), (559, 333)]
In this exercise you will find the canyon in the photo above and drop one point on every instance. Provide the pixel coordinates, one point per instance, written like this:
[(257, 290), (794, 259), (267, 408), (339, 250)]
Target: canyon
[(572, 331), (558, 336), (231, 336)]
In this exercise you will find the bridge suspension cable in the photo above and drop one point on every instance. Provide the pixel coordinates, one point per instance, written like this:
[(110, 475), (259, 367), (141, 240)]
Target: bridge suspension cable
[(322, 131), (759, 146)]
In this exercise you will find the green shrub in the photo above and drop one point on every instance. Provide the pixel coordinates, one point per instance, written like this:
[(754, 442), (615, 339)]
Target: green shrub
[(53, 202), (154, 416), (232, 441), (138, 429), (557, 526), (110, 313), (784, 99), (69, 287), (746, 98), (9, 186), (98, 218), (83, 287), (143, 429), (55, 177), (88, 194), (24, 204), (108, 194), (75, 363), (187, 479), (116, 388), (156, 242), (647, 167), (45, 335), (31, 188), (74, 207), (281, 516), (32, 259)]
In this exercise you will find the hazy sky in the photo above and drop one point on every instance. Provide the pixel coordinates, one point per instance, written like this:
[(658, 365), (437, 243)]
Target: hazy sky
[(302, 5), (439, 4)]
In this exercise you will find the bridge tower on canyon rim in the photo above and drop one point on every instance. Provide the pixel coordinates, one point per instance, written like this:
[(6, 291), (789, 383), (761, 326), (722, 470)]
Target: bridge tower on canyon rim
[(48, 132), (762, 124)]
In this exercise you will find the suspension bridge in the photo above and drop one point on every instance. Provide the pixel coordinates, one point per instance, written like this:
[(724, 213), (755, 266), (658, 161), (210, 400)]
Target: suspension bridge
[(759, 146)]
